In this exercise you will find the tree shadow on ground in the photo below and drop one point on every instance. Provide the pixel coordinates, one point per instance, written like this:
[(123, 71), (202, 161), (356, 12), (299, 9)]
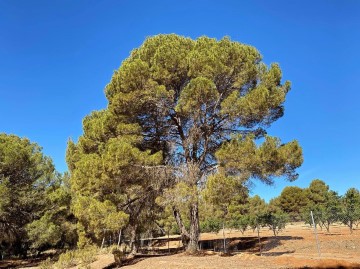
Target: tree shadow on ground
[(137, 258), (234, 245), (278, 253), (252, 244)]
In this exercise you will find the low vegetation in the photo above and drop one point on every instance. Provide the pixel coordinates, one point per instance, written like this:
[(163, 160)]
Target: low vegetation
[(80, 257)]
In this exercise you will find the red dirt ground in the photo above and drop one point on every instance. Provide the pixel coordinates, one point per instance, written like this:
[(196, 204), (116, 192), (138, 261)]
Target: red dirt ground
[(295, 247)]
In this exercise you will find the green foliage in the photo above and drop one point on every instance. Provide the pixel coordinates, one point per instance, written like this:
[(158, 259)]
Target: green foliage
[(108, 178), (57, 226), (256, 212), (292, 200), (98, 216), (351, 207), (175, 102), (276, 220), (25, 174), (66, 260), (317, 192), (43, 232), (221, 191), (240, 222), (256, 206), (324, 204), (86, 255), (165, 218), (211, 225), (266, 161), (81, 257)]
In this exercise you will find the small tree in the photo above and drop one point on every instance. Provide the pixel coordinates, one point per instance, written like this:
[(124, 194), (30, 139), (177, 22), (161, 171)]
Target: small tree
[(241, 222), (275, 218), (351, 208), (276, 221), (257, 212), (324, 203), (221, 191), (330, 210)]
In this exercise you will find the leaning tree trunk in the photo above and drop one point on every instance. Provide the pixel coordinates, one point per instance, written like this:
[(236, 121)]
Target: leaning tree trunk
[(183, 232), (194, 228)]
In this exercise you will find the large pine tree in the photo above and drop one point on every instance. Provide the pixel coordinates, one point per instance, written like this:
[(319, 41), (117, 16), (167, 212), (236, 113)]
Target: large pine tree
[(195, 107)]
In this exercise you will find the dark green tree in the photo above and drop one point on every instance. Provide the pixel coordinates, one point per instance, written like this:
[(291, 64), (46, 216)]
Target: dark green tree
[(331, 209), (351, 208), (292, 201), (57, 226), (188, 99), (323, 202), (112, 183), (25, 174), (316, 192), (257, 209)]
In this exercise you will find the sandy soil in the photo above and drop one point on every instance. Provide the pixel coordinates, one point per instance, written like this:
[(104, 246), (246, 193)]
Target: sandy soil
[(295, 247), (243, 260)]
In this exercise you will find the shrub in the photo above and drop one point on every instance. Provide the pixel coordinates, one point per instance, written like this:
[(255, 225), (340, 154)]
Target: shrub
[(66, 260), (47, 264), (83, 257), (87, 255)]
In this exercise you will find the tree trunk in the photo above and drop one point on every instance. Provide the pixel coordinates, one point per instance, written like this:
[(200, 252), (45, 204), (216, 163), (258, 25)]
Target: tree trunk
[(224, 238), (184, 233), (194, 228), (328, 227), (273, 228), (133, 242)]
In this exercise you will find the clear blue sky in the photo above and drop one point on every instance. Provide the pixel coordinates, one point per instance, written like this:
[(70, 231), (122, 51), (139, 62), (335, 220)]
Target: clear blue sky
[(57, 56)]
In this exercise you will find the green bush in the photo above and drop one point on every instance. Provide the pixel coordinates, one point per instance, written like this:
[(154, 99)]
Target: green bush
[(83, 257), (66, 260), (87, 255)]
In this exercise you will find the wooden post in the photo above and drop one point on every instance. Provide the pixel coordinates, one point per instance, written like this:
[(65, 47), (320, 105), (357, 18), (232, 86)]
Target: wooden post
[(224, 237), (258, 232), (168, 240), (316, 237), (103, 241), (119, 240)]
